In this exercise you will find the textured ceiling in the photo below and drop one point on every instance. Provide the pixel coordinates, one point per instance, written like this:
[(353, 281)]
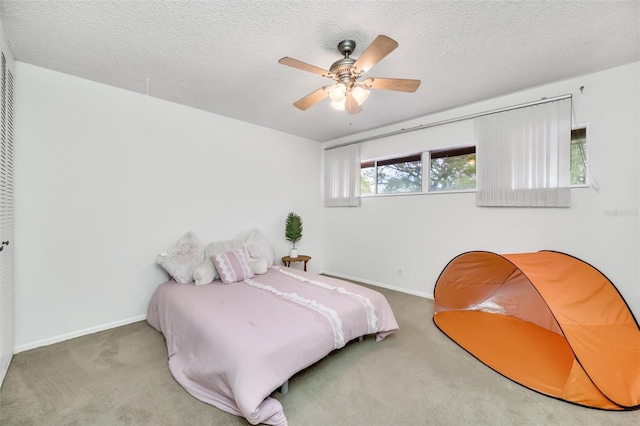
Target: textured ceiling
[(222, 56)]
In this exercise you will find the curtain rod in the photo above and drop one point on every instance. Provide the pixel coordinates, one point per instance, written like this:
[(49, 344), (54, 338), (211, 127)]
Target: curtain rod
[(449, 121)]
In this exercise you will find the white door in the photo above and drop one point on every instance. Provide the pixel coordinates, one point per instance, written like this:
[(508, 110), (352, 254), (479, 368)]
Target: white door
[(6, 218)]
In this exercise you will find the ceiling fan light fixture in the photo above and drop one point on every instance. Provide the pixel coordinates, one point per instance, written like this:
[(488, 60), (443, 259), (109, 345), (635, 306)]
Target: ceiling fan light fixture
[(337, 92), (339, 105), (360, 94)]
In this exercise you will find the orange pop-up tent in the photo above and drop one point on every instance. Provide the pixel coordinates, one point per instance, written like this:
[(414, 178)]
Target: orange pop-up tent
[(546, 320)]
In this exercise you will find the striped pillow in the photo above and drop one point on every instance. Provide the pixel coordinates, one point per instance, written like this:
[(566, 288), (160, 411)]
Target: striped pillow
[(232, 266)]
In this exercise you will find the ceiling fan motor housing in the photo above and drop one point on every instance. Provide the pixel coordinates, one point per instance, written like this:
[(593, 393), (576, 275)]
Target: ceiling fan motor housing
[(342, 70)]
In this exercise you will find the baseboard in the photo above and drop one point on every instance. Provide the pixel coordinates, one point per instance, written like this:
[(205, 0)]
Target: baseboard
[(63, 337), (377, 284), (3, 373)]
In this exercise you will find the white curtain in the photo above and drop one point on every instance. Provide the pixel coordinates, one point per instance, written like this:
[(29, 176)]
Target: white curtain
[(342, 176), (523, 156)]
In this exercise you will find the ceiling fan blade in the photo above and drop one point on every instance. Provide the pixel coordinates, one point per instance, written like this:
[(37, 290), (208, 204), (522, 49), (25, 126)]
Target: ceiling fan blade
[(311, 99), (397, 84), (351, 105), (305, 67), (373, 54)]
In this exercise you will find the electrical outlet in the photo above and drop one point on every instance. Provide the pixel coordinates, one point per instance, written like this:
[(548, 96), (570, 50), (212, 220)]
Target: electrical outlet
[(400, 271)]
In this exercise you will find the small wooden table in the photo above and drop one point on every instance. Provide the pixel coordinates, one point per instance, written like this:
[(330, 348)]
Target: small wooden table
[(300, 258)]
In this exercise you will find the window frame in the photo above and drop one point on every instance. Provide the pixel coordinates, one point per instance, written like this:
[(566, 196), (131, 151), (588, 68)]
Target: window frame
[(453, 151), (424, 158), (386, 161)]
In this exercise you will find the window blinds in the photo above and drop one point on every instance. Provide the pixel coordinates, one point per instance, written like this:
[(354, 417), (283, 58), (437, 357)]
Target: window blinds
[(523, 156), (342, 176)]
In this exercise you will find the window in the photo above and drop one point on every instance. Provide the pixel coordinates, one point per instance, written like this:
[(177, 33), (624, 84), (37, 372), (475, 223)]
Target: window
[(390, 176), (453, 169), (450, 169), (579, 156)]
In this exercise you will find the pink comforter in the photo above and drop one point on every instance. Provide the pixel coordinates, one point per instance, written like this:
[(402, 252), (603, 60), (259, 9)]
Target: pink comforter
[(233, 345)]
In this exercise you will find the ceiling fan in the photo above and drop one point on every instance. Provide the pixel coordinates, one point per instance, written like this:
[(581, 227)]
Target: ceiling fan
[(348, 93)]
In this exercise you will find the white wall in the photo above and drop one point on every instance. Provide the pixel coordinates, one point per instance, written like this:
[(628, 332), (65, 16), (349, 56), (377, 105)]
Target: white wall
[(421, 233), (106, 179)]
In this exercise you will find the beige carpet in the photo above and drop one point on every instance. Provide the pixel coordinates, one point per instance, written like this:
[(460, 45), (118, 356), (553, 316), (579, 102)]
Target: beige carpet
[(415, 377)]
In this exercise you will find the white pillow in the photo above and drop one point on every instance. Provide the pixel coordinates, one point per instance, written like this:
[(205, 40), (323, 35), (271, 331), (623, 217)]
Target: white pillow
[(258, 247), (258, 266), (206, 272), (181, 260)]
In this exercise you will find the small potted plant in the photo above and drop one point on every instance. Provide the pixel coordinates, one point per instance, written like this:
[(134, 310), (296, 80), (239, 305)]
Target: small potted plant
[(293, 232)]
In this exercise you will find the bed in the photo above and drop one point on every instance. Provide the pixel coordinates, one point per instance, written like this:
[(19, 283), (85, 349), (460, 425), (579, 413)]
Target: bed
[(233, 345)]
